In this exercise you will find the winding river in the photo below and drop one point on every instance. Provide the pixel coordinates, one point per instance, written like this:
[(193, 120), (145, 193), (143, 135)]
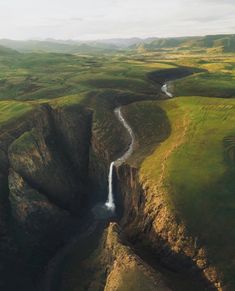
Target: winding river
[(110, 203), (165, 90)]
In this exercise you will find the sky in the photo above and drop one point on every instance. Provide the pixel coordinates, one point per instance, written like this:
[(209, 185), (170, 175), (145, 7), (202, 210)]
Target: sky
[(101, 19)]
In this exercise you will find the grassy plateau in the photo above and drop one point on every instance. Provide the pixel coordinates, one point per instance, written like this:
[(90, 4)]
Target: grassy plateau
[(189, 140)]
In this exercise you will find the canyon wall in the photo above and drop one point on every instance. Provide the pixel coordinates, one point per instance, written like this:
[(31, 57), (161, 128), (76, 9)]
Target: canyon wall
[(150, 223), (44, 161)]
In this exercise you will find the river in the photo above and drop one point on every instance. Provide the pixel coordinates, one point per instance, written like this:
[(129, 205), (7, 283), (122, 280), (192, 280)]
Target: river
[(165, 90), (110, 203)]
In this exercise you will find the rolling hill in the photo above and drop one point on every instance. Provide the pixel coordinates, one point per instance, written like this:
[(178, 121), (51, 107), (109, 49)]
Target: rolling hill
[(226, 43), (174, 196), (4, 51)]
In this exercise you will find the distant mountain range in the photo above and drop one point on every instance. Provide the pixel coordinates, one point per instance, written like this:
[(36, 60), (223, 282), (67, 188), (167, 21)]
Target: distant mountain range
[(7, 51), (225, 43)]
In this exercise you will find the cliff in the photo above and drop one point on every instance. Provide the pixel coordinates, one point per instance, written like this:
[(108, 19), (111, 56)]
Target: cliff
[(150, 225), (126, 271), (43, 177), (149, 214), (107, 263)]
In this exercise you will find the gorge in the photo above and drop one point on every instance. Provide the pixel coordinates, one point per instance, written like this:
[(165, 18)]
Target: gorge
[(57, 158)]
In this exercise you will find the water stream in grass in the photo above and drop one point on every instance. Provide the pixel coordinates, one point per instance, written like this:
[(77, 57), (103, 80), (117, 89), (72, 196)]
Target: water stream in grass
[(165, 90), (110, 203)]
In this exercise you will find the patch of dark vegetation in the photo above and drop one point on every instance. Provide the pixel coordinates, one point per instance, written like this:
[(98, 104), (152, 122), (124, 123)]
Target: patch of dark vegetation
[(165, 75)]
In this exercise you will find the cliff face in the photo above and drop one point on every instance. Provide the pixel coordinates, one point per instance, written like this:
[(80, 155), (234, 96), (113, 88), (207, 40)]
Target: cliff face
[(42, 156), (33, 157), (126, 271), (43, 169), (73, 130), (109, 265), (150, 224), (35, 216), (53, 164), (108, 141)]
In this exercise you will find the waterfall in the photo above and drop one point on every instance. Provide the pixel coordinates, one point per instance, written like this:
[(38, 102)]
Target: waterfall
[(110, 202)]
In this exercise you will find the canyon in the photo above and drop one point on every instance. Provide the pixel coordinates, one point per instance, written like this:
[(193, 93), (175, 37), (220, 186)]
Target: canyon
[(55, 161)]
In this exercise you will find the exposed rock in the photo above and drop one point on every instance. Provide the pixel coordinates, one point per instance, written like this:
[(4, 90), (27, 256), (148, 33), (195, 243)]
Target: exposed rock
[(107, 142), (108, 264), (34, 156), (126, 270), (53, 154), (38, 118), (46, 151), (38, 219), (73, 130), (150, 222), (4, 161)]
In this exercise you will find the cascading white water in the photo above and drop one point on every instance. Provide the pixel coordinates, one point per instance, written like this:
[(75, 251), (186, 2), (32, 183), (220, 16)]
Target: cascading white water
[(110, 204), (165, 90)]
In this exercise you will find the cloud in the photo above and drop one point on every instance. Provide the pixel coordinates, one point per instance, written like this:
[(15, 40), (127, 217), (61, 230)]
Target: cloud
[(114, 18), (221, 2), (77, 19)]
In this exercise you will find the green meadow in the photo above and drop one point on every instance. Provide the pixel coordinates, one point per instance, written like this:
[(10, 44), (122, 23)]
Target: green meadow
[(198, 155), (193, 134)]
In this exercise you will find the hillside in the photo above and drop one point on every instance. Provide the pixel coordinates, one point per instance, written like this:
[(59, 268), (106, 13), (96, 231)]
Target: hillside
[(187, 178), (58, 46), (5, 51), (173, 228), (225, 43)]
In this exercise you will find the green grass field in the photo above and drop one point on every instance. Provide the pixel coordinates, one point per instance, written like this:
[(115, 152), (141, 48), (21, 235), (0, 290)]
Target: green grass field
[(47, 76), (193, 135), (12, 110), (217, 81), (199, 168), (200, 178)]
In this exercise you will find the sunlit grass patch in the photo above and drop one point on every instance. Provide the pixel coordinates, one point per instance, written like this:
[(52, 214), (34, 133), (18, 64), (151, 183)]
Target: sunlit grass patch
[(12, 109), (197, 172)]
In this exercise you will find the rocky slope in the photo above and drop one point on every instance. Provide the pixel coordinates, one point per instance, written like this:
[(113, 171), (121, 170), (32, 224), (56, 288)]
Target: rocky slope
[(147, 216), (149, 228), (43, 172), (152, 226), (126, 271), (107, 263), (54, 166), (108, 139)]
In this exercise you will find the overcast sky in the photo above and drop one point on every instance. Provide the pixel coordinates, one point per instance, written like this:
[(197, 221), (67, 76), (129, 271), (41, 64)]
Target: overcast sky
[(96, 19)]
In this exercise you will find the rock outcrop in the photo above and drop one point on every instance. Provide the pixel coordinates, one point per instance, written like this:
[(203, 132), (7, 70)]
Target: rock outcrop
[(151, 224), (127, 271), (109, 264), (40, 222), (44, 161), (35, 157)]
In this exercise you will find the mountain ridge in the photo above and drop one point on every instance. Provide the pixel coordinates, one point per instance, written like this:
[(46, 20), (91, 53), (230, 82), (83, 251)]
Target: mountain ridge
[(225, 42)]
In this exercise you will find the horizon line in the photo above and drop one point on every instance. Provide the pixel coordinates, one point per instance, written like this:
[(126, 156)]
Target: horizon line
[(113, 38)]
